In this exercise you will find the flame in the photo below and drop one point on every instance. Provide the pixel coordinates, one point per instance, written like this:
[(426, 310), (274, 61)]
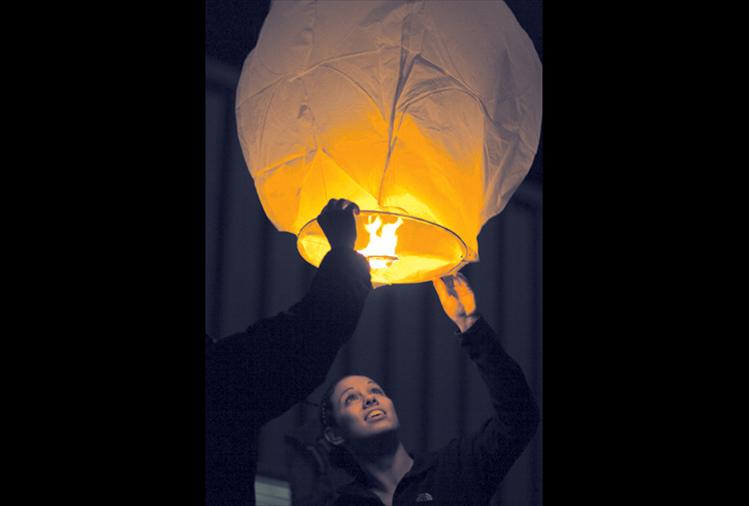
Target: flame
[(380, 251)]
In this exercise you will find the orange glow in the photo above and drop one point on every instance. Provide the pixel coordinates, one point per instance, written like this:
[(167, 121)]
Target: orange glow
[(325, 111), (380, 250), (420, 250)]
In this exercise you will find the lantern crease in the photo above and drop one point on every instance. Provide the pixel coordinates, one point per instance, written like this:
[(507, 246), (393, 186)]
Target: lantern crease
[(419, 58), (293, 76), (400, 83), (322, 63), (262, 173), (313, 119), (358, 86), (261, 127)]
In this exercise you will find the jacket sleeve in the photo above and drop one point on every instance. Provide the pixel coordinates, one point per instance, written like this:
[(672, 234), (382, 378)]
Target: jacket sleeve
[(278, 361), (489, 454)]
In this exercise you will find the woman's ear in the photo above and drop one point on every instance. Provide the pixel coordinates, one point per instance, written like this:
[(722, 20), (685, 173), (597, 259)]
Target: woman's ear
[(332, 437)]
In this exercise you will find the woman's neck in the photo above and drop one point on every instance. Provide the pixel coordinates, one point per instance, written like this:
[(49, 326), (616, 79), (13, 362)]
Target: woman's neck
[(385, 469)]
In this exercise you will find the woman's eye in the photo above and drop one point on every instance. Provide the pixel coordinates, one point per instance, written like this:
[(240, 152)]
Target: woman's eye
[(350, 398)]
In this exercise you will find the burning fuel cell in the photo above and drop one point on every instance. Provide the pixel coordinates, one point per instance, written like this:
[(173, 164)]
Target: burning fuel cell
[(380, 251)]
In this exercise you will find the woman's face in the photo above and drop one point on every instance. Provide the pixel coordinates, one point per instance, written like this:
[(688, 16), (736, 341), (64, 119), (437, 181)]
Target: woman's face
[(361, 408)]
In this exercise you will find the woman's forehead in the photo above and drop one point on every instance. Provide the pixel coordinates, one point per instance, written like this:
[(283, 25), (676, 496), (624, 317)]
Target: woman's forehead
[(356, 382)]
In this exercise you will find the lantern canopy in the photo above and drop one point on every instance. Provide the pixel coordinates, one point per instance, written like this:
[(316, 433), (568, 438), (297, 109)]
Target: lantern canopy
[(427, 114)]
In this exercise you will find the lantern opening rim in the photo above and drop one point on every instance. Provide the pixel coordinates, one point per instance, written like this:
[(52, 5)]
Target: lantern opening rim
[(402, 215), (312, 245)]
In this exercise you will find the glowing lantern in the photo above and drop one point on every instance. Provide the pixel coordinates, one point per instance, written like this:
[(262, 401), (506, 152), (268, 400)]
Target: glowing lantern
[(426, 114)]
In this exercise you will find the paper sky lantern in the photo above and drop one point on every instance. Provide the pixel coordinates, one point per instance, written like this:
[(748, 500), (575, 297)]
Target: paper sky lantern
[(427, 114)]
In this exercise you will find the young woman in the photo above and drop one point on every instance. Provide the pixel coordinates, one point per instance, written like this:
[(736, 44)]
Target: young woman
[(358, 416)]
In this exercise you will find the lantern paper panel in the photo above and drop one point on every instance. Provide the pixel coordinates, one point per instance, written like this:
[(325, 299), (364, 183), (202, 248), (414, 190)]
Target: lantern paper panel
[(428, 110)]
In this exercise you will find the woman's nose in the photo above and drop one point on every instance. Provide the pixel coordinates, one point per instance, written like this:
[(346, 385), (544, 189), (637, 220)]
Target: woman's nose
[(371, 400)]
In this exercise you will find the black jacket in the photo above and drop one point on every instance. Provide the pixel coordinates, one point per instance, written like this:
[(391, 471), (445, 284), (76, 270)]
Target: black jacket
[(468, 470), (255, 376)]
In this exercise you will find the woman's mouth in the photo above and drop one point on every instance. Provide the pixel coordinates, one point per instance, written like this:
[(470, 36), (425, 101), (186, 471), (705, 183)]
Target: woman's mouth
[(374, 414)]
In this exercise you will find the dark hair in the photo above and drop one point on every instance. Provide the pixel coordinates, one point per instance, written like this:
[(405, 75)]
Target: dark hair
[(339, 457), (326, 406)]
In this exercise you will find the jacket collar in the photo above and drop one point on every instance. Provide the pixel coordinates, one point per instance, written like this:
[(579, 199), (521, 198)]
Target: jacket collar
[(359, 487)]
